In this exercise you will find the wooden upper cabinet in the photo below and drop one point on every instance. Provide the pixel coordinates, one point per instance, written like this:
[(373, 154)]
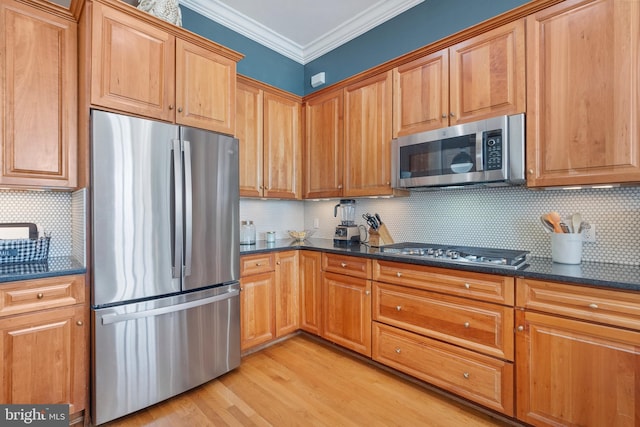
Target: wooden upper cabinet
[(269, 128), (205, 88), (132, 65), (38, 97), (249, 134), (421, 94), (282, 147), (487, 74), (148, 67), (584, 90), (324, 146), (472, 80), (367, 136)]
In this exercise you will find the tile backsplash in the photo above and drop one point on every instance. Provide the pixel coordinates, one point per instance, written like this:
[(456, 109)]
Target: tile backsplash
[(505, 217)]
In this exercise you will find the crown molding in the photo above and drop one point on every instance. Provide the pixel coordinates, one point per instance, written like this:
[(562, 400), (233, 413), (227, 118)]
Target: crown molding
[(373, 16)]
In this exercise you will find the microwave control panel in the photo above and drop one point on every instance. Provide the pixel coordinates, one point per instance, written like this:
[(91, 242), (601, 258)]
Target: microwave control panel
[(492, 150)]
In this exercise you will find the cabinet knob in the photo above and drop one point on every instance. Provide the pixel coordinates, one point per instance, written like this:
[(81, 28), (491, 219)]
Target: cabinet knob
[(468, 286), (467, 324), (530, 171), (79, 323), (520, 328), (40, 295), (452, 115), (398, 307), (343, 264), (339, 186), (277, 262), (170, 107), (593, 305), (466, 375), (388, 182), (444, 116), (179, 109), (399, 274), (398, 350), (367, 292), (258, 264)]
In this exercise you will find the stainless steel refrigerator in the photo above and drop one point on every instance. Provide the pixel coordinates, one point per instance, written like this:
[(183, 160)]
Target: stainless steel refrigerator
[(165, 261)]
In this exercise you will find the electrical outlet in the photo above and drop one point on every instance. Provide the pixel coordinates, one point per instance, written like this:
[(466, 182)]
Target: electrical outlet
[(589, 233), (316, 223)]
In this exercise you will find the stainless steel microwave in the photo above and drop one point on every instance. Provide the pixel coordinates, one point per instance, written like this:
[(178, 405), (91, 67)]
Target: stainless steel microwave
[(487, 152)]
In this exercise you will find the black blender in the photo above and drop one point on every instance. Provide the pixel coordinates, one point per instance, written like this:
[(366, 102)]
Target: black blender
[(347, 232)]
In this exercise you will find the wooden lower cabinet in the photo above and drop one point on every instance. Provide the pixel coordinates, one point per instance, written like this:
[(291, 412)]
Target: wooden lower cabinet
[(346, 313), (311, 291), (269, 301), (44, 349), (482, 379)]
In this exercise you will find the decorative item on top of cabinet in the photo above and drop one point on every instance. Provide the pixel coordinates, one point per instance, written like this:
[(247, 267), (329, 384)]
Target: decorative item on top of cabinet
[(583, 108), (577, 355), (269, 129), (44, 340), (269, 301), (143, 65), (478, 78), (38, 96)]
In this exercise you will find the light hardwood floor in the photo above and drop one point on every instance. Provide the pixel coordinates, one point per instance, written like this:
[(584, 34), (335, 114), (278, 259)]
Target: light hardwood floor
[(304, 382)]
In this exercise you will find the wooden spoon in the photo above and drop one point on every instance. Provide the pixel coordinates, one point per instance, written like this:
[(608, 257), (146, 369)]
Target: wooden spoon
[(554, 219)]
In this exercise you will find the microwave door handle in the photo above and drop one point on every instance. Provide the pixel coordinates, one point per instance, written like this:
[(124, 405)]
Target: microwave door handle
[(479, 151)]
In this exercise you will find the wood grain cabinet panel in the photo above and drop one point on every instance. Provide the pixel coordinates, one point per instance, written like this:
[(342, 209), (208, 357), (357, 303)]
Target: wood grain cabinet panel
[(311, 292), (583, 105), (256, 309), (38, 97), (287, 305), (249, 124), (482, 379)]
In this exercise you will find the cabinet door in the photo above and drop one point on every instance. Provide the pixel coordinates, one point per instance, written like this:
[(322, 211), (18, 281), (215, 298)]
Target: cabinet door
[(488, 74), (132, 65), (311, 291), (256, 309), (287, 308), (583, 107), (368, 136), (282, 147), (38, 98), (576, 373), (324, 146), (249, 133), (421, 94), (205, 88), (45, 360), (347, 311)]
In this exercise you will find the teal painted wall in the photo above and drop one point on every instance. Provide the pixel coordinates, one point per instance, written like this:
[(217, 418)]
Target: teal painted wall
[(423, 24)]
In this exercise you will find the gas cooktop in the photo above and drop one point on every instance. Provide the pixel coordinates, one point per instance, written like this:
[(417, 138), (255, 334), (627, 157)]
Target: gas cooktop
[(469, 255)]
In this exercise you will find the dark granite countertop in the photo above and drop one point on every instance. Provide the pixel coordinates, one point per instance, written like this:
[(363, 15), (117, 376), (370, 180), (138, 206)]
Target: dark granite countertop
[(55, 266), (619, 276)]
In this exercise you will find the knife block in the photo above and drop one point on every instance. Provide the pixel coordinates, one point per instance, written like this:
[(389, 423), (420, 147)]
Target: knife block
[(379, 237)]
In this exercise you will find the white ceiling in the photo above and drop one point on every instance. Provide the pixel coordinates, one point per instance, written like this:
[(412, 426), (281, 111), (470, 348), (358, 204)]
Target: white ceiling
[(301, 30)]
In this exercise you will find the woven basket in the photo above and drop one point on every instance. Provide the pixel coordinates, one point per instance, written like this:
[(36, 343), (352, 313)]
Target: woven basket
[(15, 251)]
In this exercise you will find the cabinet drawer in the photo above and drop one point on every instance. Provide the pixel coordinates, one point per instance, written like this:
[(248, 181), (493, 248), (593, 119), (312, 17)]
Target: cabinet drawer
[(482, 379), (482, 286), (479, 326), (31, 295), (613, 307), (349, 265), (254, 264)]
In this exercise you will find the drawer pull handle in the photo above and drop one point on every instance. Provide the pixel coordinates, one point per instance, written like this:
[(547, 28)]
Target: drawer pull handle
[(468, 286), (258, 264), (343, 264), (467, 324), (79, 323), (466, 375), (398, 350), (398, 307), (593, 305), (520, 328), (278, 263), (399, 274), (40, 295)]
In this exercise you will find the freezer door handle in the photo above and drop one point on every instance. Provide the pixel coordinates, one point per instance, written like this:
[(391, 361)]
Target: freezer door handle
[(176, 268), (111, 318), (188, 208)]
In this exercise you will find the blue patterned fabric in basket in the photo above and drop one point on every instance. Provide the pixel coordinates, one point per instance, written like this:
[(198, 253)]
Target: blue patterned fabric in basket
[(14, 251)]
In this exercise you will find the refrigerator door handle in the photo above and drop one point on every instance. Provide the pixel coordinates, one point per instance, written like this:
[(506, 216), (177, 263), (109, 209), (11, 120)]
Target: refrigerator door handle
[(188, 208), (176, 268), (111, 318)]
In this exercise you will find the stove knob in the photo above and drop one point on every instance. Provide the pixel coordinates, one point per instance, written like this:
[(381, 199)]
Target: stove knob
[(454, 255)]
